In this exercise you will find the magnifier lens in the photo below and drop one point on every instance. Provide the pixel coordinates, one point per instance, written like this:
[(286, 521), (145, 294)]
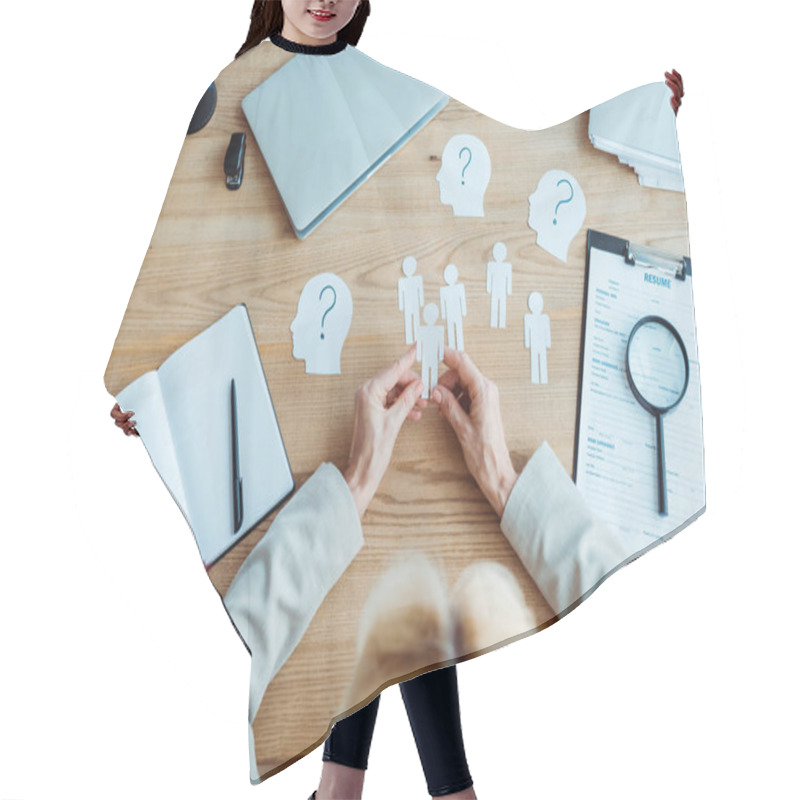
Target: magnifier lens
[(657, 365)]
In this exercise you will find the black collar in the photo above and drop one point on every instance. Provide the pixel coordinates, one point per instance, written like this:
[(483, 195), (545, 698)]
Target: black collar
[(310, 49)]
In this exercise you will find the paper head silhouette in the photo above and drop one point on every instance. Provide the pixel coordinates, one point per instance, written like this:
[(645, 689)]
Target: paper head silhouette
[(320, 327), (535, 302), (556, 211), (430, 314), (464, 175)]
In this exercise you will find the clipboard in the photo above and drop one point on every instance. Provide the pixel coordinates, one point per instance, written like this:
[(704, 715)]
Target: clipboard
[(615, 466)]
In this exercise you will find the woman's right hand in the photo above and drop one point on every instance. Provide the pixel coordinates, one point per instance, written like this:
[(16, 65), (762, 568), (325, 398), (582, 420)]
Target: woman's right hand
[(381, 407), (470, 402), (124, 420)]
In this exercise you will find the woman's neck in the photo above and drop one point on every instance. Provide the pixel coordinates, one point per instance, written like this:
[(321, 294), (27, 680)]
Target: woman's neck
[(293, 34), (336, 46)]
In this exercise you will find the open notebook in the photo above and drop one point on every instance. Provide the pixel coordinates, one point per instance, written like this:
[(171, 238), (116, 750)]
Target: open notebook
[(183, 414), (321, 146)]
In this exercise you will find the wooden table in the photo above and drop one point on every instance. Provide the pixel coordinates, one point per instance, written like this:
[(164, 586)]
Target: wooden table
[(214, 248)]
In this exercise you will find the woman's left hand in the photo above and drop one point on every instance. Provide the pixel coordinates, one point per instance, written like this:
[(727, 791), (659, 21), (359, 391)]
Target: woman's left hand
[(124, 420), (675, 82), (383, 404)]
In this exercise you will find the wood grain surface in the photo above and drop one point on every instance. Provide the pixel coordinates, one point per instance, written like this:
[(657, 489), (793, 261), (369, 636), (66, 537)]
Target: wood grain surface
[(214, 248)]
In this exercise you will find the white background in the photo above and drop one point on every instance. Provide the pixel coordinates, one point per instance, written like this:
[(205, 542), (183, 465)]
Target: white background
[(120, 675)]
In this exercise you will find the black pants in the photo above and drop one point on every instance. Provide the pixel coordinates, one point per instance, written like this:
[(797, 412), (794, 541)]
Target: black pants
[(432, 706)]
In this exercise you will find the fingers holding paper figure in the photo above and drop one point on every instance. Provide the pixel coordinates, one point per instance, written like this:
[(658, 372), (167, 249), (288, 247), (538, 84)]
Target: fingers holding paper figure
[(382, 405)]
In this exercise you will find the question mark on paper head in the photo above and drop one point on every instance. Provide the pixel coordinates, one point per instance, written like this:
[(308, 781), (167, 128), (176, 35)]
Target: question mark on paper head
[(328, 309), (469, 153), (572, 194)]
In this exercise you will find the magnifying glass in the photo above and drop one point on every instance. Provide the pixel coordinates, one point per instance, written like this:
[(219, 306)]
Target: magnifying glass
[(658, 373)]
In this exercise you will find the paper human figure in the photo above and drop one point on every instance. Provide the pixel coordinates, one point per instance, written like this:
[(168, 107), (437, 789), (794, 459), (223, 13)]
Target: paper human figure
[(556, 211), (410, 297), (430, 348), (320, 327), (464, 176), (498, 285), (537, 337), (453, 301)]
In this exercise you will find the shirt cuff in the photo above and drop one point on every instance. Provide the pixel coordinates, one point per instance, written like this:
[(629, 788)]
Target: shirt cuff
[(565, 548)]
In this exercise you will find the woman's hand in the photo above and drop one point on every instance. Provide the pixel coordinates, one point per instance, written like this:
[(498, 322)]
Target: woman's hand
[(382, 405), (123, 420), (471, 404), (675, 82)]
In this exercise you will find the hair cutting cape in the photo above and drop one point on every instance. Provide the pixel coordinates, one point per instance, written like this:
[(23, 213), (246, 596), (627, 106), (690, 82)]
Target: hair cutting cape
[(366, 212)]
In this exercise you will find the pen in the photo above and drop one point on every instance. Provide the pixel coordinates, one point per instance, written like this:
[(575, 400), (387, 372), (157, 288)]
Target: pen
[(238, 496)]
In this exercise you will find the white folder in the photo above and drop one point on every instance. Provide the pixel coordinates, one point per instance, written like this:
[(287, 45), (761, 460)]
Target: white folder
[(324, 124)]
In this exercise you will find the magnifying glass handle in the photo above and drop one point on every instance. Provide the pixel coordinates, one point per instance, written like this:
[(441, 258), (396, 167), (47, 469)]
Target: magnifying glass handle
[(662, 466)]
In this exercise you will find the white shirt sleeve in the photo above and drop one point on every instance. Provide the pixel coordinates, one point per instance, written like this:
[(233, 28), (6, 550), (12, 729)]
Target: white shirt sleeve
[(284, 580), (566, 549)]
